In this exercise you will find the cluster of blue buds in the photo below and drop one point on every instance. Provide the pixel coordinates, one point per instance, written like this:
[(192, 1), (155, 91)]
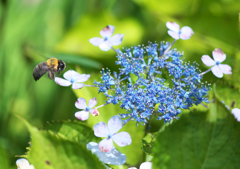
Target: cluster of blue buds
[(153, 81)]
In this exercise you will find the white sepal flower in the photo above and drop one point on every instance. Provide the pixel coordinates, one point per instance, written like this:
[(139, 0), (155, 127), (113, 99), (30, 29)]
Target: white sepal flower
[(110, 131), (72, 77), (175, 32), (107, 41), (113, 157), (217, 68), (144, 165), (236, 113), (82, 104), (22, 163)]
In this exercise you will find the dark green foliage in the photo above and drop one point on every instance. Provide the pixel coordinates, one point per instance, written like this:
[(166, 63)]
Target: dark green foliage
[(200, 140)]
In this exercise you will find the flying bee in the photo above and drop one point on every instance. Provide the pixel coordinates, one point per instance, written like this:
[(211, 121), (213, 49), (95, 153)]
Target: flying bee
[(51, 66)]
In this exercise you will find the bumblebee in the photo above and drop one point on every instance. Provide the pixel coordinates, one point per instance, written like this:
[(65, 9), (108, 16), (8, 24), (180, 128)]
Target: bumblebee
[(51, 66)]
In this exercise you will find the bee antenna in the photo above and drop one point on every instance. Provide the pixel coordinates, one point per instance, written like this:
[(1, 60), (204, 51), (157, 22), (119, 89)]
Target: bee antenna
[(69, 67)]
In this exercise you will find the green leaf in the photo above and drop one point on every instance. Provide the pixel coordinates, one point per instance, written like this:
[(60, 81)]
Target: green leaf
[(51, 151), (73, 131), (4, 163), (200, 140)]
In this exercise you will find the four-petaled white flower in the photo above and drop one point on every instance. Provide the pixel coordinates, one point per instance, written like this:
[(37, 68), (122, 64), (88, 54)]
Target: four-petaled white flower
[(107, 41), (175, 32), (236, 113), (84, 114), (72, 77), (217, 69), (114, 125), (144, 165), (22, 163)]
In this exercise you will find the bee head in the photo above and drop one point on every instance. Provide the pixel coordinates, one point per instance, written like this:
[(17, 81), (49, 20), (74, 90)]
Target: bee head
[(61, 65)]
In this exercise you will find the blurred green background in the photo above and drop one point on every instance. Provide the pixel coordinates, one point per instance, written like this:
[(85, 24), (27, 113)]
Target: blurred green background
[(32, 29)]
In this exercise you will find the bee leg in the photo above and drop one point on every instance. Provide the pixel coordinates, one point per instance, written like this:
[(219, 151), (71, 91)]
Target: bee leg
[(51, 75), (58, 72)]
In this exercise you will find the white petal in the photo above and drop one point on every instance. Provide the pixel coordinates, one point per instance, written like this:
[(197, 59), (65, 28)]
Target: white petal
[(81, 103), (94, 112), (122, 139), (218, 55), (174, 35), (82, 115), (101, 129), (106, 145), (107, 31), (226, 69), (146, 165), (173, 26), (114, 124), (186, 33), (236, 113), (105, 46), (113, 157), (96, 41), (77, 85), (82, 78), (207, 60), (22, 162), (116, 39), (217, 72), (92, 102), (71, 75), (62, 82), (132, 168)]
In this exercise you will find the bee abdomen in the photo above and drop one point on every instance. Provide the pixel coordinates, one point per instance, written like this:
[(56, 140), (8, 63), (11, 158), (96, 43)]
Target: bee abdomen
[(40, 70)]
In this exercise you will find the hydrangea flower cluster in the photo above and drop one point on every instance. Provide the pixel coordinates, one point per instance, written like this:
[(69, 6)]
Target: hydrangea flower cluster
[(153, 82)]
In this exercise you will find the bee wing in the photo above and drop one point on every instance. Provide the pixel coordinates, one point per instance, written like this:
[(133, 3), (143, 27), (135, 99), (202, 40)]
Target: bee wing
[(40, 70)]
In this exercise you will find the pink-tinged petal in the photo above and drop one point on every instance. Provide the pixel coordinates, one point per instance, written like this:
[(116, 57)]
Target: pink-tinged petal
[(146, 165), (186, 33), (96, 41), (82, 115), (101, 129), (71, 75), (122, 139), (62, 82), (236, 113), (174, 35), (113, 157), (107, 31), (105, 46), (81, 103), (94, 112), (218, 55), (207, 60), (82, 78), (173, 26), (106, 145), (226, 69), (92, 102), (77, 85), (217, 72), (114, 124), (116, 39)]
